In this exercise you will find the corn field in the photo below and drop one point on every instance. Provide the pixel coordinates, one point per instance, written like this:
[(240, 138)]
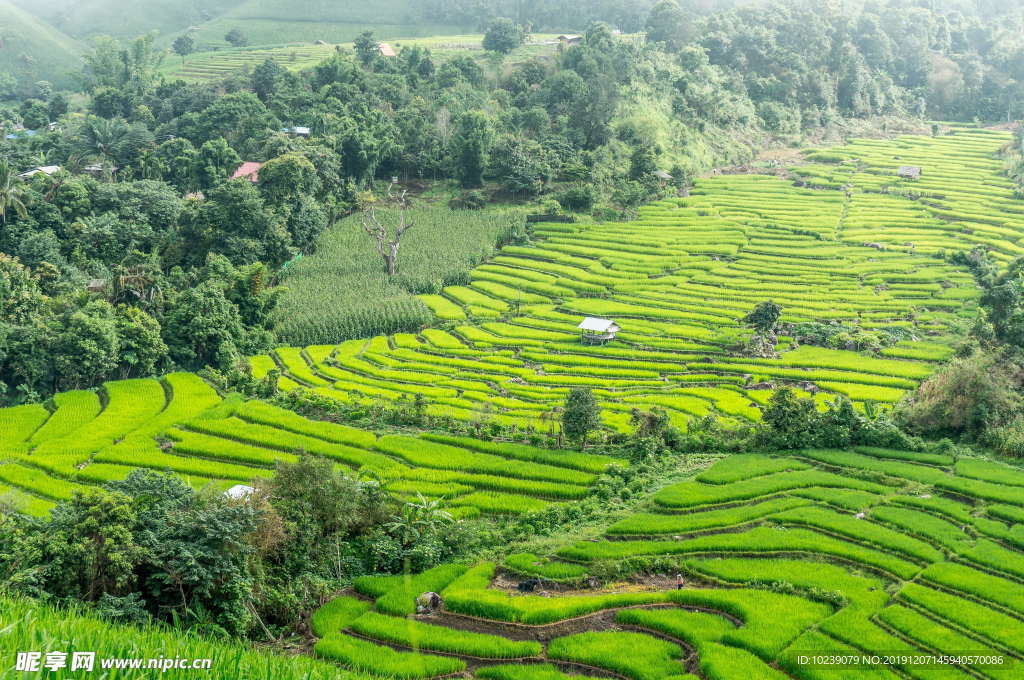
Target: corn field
[(343, 291)]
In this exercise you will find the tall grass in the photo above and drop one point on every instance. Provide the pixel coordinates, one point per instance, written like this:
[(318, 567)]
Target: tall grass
[(26, 625)]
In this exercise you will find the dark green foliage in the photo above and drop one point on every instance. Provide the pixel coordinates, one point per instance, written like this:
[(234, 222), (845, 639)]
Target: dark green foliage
[(475, 135), (503, 35), (146, 546), (976, 397), (183, 46), (579, 198), (236, 37), (764, 318), (792, 422), (582, 414), (321, 510)]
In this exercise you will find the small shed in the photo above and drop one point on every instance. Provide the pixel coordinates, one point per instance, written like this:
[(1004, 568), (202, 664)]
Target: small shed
[(386, 50), (44, 169), (96, 285), (239, 492), (594, 331), (909, 172), (297, 130), (570, 39), (249, 170), (99, 169)]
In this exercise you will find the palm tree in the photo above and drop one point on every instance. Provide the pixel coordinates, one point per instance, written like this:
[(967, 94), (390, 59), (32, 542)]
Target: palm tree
[(101, 138), (13, 192), (111, 141)]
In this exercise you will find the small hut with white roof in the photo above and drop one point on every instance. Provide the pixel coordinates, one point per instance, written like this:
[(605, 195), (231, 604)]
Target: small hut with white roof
[(596, 331)]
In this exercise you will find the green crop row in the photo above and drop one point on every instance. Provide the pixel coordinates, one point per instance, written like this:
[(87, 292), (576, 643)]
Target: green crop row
[(526, 487), (131, 404), (691, 493), (935, 636), (691, 627), (586, 462), (435, 455), (655, 524), (860, 530), (757, 540), (722, 662), (368, 657), (493, 502), (415, 634), (523, 671), (337, 615), (983, 585), (38, 482), (18, 423), (530, 564), (396, 595), (266, 414), (237, 430), (738, 467), (997, 473), (74, 409), (206, 446), (925, 525), (998, 627), (634, 655)]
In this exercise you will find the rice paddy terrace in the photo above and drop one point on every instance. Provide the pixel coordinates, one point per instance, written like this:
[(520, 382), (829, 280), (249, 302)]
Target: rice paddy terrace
[(220, 63), (83, 439), (209, 66), (845, 241), (868, 553)]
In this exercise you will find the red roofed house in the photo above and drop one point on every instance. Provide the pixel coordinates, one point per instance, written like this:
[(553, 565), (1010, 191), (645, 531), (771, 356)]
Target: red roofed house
[(386, 50), (250, 170)]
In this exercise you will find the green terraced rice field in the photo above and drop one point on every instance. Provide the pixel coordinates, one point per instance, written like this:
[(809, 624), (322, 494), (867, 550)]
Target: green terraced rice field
[(679, 279), (301, 52), (781, 573), (179, 423)]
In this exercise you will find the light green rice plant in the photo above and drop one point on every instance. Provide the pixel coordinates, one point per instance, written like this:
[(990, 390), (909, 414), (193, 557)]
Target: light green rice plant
[(381, 661), (418, 635)]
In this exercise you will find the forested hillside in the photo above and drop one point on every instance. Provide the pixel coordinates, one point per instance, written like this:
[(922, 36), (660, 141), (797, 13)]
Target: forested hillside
[(32, 50)]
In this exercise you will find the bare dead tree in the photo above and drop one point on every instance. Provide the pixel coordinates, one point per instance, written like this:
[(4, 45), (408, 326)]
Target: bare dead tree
[(387, 245)]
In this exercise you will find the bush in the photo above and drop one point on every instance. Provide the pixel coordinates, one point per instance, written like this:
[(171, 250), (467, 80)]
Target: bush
[(974, 397), (579, 198), (468, 200)]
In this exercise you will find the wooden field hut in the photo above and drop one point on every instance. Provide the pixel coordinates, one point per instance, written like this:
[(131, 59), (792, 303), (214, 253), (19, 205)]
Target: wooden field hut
[(594, 331), (909, 172), (386, 50)]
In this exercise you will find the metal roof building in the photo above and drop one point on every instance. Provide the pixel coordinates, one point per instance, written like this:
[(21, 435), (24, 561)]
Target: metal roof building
[(598, 331)]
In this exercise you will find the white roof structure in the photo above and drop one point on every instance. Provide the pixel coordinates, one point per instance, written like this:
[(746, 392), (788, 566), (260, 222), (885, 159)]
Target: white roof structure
[(45, 169), (598, 325), (239, 491)]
